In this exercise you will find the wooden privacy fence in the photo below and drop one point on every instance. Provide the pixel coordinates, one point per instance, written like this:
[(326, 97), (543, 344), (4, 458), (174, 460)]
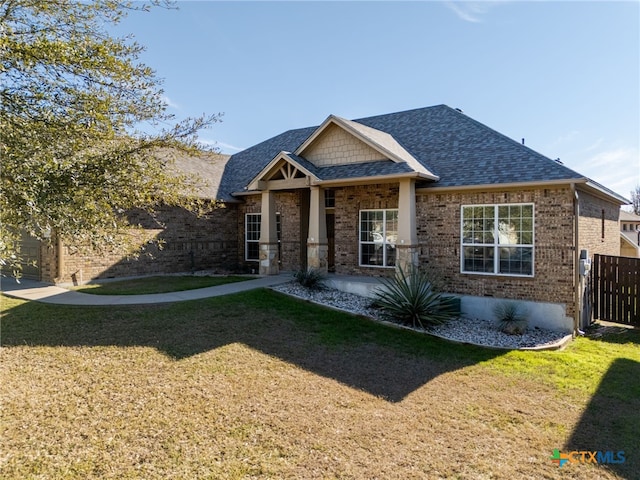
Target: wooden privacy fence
[(616, 289)]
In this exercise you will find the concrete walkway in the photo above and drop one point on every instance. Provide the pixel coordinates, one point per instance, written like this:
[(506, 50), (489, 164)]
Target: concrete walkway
[(42, 292)]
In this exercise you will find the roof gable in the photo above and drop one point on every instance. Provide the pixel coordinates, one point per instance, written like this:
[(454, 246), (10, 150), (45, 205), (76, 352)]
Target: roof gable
[(632, 239), (339, 141), (336, 146), (284, 171)]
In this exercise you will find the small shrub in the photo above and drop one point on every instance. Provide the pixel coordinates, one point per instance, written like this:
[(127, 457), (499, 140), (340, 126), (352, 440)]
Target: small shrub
[(309, 278), (412, 300), (512, 317)]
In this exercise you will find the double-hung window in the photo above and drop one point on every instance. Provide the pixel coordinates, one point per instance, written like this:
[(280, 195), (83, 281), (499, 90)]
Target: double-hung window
[(497, 239), (252, 235), (378, 236)]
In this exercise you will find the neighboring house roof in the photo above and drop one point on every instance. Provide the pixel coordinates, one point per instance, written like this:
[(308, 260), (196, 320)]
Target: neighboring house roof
[(439, 143), (629, 216), (631, 238), (208, 167)]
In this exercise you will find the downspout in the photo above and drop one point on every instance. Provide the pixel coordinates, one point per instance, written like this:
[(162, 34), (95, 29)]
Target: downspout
[(576, 261)]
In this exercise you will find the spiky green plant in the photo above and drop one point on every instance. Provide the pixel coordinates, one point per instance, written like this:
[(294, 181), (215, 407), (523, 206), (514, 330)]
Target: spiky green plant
[(512, 317), (309, 278), (412, 300)]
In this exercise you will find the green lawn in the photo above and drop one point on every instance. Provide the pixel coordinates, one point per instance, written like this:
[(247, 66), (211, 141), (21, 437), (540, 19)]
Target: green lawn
[(162, 284), (258, 385)]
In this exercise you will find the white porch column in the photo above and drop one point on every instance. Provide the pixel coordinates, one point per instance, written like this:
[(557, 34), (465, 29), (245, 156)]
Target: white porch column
[(268, 235), (407, 244), (317, 244)]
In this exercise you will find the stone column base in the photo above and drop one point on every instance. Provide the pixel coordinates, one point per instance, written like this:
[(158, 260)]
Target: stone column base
[(269, 259), (407, 257), (317, 256)]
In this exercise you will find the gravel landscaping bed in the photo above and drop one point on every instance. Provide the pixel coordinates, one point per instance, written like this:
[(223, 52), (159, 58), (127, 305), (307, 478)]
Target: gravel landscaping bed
[(461, 329)]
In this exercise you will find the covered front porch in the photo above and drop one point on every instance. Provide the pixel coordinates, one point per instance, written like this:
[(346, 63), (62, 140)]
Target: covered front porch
[(353, 240)]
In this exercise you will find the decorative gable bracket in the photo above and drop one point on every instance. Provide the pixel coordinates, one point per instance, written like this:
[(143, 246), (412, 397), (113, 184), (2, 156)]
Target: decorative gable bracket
[(282, 173)]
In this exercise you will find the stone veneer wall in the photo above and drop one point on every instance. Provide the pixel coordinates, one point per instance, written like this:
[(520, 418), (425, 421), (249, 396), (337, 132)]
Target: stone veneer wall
[(438, 219), (211, 238), (288, 205), (590, 225)]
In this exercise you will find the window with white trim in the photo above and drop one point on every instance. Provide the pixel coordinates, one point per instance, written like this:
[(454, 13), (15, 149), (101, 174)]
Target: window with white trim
[(252, 235), (378, 236), (497, 239)]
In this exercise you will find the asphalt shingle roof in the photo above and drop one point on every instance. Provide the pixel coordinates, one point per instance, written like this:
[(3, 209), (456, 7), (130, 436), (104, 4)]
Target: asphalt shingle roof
[(463, 151), (448, 143)]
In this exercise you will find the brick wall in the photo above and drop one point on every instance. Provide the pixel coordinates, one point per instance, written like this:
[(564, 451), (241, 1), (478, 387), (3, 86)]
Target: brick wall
[(438, 219), (48, 267), (188, 243), (335, 146), (592, 212), (289, 205), (349, 202)]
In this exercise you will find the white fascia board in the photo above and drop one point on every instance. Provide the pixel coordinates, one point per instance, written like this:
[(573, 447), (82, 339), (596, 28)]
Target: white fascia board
[(603, 192), (330, 119)]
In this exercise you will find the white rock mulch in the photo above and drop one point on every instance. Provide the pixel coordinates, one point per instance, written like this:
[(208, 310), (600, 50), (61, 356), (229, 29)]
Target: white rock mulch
[(461, 329)]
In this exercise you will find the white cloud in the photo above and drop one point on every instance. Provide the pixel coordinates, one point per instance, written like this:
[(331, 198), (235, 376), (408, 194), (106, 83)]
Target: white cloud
[(617, 169), (224, 147), (471, 11), (565, 138), (594, 145), (170, 103)]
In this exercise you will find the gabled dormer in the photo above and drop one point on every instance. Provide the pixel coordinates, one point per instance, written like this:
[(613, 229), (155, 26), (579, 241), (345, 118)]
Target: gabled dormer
[(339, 141)]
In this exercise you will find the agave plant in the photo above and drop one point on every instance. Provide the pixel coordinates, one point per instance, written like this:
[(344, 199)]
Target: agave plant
[(412, 300), (512, 317), (309, 278)]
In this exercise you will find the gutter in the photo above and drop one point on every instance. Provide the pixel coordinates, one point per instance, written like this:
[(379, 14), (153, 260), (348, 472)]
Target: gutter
[(502, 186)]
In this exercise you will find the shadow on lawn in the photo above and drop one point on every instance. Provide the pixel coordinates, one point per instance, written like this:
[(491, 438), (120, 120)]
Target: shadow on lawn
[(383, 361), (611, 421), (612, 333)]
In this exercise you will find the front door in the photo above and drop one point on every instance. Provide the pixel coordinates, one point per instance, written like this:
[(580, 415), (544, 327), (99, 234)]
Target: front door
[(331, 241)]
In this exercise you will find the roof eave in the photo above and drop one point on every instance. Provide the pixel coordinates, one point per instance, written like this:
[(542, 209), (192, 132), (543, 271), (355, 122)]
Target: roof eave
[(500, 186), (603, 192), (629, 241), (390, 178)]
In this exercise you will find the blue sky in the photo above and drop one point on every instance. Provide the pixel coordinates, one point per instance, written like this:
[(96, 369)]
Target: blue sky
[(563, 75)]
